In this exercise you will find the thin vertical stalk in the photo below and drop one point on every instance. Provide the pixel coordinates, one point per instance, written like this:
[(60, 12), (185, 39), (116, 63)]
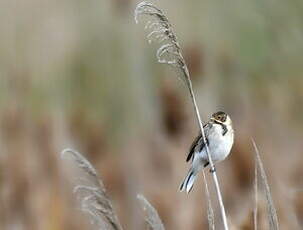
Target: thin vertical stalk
[(256, 196), (210, 211)]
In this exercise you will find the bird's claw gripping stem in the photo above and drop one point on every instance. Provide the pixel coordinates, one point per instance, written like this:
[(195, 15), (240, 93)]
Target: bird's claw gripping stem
[(212, 170)]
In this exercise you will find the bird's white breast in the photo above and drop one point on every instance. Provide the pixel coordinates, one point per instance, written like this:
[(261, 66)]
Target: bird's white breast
[(219, 145)]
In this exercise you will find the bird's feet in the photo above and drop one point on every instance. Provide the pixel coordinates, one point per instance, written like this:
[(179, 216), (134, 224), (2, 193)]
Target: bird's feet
[(212, 170)]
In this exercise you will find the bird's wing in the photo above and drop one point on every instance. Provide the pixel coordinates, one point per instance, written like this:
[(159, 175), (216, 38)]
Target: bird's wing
[(198, 141)]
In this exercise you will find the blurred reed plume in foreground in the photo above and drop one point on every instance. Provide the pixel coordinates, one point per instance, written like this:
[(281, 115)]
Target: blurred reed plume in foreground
[(92, 196), (91, 193)]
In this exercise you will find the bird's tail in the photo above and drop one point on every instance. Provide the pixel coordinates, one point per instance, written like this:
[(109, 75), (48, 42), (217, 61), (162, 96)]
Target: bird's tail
[(189, 180)]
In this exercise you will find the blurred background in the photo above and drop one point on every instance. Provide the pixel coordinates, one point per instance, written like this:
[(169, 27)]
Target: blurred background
[(81, 74)]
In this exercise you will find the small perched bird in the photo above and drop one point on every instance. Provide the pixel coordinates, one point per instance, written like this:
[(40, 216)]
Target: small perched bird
[(219, 136)]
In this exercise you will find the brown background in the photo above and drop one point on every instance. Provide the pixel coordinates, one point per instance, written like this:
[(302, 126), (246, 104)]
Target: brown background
[(81, 74)]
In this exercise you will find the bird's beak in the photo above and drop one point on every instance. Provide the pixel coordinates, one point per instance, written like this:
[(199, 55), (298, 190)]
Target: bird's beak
[(215, 120)]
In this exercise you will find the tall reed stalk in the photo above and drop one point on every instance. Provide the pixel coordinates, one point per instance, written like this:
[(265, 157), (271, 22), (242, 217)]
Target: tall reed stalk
[(169, 53)]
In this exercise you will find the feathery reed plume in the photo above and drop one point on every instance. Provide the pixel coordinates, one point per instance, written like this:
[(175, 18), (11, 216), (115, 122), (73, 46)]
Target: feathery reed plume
[(271, 211), (91, 192), (151, 216), (161, 31)]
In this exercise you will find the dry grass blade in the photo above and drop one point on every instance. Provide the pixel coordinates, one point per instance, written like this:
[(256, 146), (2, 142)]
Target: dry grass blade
[(90, 192), (170, 53), (256, 196), (272, 214), (152, 218)]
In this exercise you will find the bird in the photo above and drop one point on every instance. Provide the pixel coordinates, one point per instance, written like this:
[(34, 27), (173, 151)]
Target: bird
[(219, 136)]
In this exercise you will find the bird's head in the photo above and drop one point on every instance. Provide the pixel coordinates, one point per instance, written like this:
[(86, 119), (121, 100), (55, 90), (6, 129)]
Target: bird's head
[(221, 117)]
